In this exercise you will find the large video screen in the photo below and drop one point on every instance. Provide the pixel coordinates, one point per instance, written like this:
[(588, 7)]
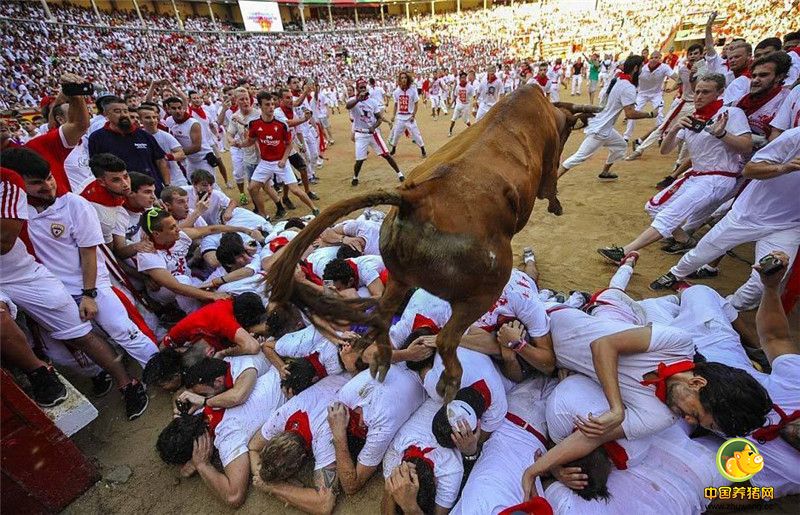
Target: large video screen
[(261, 16)]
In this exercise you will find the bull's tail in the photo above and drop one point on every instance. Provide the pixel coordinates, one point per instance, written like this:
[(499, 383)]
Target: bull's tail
[(281, 273)]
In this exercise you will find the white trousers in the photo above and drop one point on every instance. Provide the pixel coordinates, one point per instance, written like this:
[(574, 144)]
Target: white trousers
[(461, 111), (577, 80), (691, 204), (592, 143), (727, 234), (113, 319), (402, 125), (654, 99), (187, 304), (555, 92)]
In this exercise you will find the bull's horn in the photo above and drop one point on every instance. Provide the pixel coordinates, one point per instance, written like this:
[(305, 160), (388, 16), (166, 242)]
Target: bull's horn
[(578, 108)]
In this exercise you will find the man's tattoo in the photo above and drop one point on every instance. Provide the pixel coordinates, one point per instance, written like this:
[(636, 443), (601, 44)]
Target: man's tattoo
[(329, 477)]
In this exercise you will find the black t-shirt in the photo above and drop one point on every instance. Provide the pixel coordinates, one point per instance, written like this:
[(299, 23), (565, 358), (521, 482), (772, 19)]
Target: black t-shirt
[(576, 68)]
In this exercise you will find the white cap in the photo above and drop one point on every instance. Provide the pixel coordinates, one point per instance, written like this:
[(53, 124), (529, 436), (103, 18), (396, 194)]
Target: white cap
[(460, 410)]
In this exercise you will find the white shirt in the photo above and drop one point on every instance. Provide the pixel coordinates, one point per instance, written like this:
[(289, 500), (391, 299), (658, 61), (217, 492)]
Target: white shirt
[(476, 367), (314, 402), (573, 331), (773, 202), (168, 143), (307, 341), (652, 82), (239, 423), (405, 100), (369, 269), (76, 166), (15, 264), (378, 94), (133, 234), (489, 93), (59, 232), (173, 260), (367, 229), (424, 304), (708, 152), (464, 94), (238, 130), (622, 94), (739, 87), (788, 114), (519, 299), (364, 113), (238, 364), (217, 202), (448, 468), (320, 258), (781, 469), (182, 132), (761, 118), (385, 407)]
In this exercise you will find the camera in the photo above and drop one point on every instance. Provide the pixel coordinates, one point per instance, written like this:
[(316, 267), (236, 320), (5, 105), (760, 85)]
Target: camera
[(74, 89), (697, 125), (770, 264)]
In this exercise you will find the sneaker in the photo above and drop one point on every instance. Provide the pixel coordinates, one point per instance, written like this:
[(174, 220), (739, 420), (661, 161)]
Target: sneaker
[(666, 182), (632, 156), (578, 299), (101, 384), (315, 211), (546, 295), (48, 390), (681, 248), (313, 180), (313, 196), (667, 242), (320, 162), (401, 177), (331, 142), (449, 134), (665, 282), (424, 154), (280, 213), (613, 253), (560, 297), (354, 181), (704, 272), (136, 399), (289, 205), (243, 200), (527, 255), (608, 176), (636, 143), (630, 259), (230, 185)]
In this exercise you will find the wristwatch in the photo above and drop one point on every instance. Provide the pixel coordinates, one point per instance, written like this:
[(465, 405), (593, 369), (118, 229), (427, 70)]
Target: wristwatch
[(89, 292)]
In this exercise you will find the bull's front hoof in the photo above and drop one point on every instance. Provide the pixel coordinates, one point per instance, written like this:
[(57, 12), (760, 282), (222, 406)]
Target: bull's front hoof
[(448, 387), (380, 363), (378, 371), (554, 206)]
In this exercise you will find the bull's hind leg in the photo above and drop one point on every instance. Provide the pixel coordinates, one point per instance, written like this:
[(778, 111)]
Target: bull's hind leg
[(464, 314), (392, 297)]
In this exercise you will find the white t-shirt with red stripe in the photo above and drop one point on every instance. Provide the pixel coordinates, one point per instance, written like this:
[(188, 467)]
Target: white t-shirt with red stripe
[(306, 341), (16, 264), (312, 404), (385, 407), (788, 115), (520, 300), (477, 367), (708, 152), (421, 304), (173, 259)]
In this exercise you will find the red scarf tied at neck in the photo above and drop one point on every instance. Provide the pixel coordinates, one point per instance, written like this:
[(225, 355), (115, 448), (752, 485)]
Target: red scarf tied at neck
[(97, 193), (708, 111), (664, 372), (625, 76), (298, 423), (319, 369), (750, 105), (354, 425), (416, 452), (199, 111), (772, 431), (542, 80)]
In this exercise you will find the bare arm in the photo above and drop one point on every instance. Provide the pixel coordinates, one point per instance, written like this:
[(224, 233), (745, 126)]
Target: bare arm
[(238, 393), (201, 232), (318, 500), (633, 114), (77, 121), (231, 485), (163, 278), (196, 135), (771, 321), (709, 39), (766, 170), (9, 230), (352, 475), (163, 168)]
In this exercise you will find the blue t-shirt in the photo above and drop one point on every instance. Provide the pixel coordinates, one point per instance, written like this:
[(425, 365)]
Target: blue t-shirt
[(139, 150)]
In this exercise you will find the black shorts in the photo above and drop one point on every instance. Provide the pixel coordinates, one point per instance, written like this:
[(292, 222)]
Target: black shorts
[(297, 161)]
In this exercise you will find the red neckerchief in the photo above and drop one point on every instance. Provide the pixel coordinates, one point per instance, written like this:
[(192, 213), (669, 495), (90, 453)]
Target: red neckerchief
[(319, 369), (354, 267), (625, 76), (463, 84), (213, 417), (278, 243), (708, 111), (354, 425), (199, 111), (796, 50), (745, 72), (298, 423), (491, 78), (750, 105), (541, 79), (97, 193), (772, 431), (617, 454), (483, 389), (533, 506), (228, 380), (288, 111), (118, 130), (415, 452), (421, 321), (664, 372), (308, 270), (162, 127), (556, 68)]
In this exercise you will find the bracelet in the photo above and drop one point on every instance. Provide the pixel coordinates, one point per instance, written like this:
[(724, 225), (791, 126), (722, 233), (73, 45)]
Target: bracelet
[(724, 133), (474, 457), (517, 345), (222, 278)]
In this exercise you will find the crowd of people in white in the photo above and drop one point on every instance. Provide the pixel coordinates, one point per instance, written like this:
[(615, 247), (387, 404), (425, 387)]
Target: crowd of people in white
[(587, 403)]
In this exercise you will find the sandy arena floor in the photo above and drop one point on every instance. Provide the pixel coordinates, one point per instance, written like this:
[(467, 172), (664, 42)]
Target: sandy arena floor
[(595, 214)]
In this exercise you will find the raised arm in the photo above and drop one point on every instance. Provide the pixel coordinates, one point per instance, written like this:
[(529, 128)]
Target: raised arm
[(771, 322)]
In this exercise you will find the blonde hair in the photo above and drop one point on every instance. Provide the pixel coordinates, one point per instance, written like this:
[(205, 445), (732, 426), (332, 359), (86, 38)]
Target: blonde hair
[(283, 456)]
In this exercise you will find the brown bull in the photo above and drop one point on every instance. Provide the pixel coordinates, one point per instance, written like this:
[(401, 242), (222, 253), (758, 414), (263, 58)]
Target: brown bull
[(450, 229)]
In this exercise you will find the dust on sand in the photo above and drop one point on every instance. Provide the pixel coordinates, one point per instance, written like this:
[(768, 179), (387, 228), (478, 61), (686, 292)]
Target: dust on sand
[(596, 214)]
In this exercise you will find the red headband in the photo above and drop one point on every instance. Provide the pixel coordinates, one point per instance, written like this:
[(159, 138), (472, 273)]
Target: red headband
[(664, 372)]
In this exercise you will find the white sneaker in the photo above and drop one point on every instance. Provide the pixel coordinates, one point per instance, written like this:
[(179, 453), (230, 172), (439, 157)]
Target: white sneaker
[(230, 185)]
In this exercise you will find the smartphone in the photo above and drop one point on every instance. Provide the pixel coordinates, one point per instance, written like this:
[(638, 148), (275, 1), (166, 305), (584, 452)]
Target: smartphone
[(74, 89), (203, 195), (770, 264), (697, 125)]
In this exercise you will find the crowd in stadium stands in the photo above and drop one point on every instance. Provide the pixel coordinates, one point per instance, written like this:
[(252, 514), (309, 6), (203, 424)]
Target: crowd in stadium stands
[(470, 38), (349, 23)]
